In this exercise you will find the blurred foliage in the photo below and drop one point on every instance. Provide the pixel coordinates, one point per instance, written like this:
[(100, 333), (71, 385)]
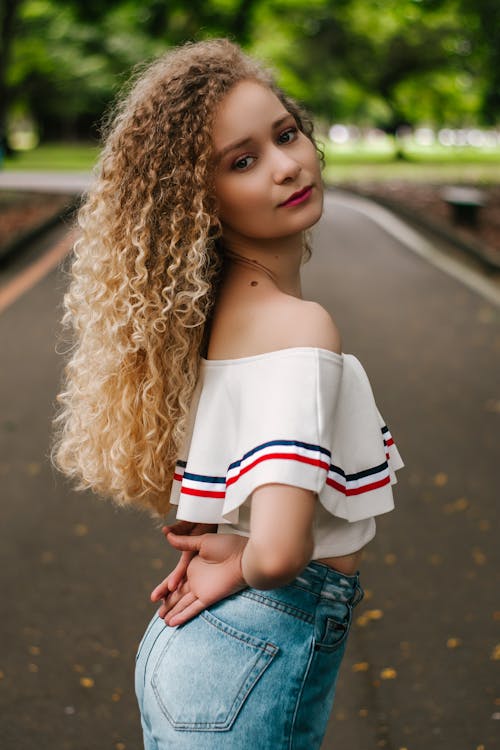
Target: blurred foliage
[(382, 62)]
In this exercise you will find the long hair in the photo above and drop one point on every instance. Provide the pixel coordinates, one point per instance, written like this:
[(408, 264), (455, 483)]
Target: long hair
[(144, 276)]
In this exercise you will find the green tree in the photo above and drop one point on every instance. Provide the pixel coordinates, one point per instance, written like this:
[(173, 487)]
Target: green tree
[(369, 61), (366, 60)]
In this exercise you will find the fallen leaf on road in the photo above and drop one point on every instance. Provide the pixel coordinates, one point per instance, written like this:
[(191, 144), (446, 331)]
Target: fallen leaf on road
[(390, 558), (361, 666), (388, 673), (87, 682), (478, 556), (374, 614), (34, 650), (441, 479), (370, 614), (495, 654), (454, 642), (457, 505), (81, 529), (435, 559)]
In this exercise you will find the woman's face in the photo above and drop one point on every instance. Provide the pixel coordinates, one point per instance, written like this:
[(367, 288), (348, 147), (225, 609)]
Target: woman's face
[(262, 160)]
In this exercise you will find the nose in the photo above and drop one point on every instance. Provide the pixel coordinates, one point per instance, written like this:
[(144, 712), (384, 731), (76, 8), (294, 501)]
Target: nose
[(285, 167)]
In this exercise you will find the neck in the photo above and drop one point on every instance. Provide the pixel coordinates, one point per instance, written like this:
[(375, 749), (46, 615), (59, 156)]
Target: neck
[(281, 257)]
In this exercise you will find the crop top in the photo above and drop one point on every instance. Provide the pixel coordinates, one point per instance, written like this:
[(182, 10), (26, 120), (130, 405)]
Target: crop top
[(302, 416)]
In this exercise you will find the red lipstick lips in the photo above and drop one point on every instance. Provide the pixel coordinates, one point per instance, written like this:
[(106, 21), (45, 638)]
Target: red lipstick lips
[(299, 197)]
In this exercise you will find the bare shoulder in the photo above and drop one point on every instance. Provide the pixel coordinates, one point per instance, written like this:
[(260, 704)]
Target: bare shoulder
[(276, 321), (293, 322), (312, 325)]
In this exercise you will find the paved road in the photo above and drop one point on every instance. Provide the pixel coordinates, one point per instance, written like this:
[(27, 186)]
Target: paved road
[(45, 182), (76, 572)]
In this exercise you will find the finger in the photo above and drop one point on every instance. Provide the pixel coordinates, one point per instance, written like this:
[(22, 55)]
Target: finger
[(167, 605), (187, 614), (170, 601), (191, 543), (187, 599), (161, 590), (178, 574), (162, 612), (172, 581)]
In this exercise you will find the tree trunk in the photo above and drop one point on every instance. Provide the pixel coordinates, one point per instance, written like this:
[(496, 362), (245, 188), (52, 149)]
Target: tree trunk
[(8, 11)]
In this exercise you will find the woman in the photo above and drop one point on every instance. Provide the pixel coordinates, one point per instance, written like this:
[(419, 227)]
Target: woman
[(201, 378)]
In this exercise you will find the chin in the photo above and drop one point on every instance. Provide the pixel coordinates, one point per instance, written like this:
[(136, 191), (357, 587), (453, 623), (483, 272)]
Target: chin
[(314, 217)]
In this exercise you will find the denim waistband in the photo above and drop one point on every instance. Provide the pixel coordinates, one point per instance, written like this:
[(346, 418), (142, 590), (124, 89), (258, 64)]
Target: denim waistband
[(323, 580)]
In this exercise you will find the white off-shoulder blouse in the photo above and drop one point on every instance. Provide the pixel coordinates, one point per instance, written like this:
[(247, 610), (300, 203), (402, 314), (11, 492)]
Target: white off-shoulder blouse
[(302, 416)]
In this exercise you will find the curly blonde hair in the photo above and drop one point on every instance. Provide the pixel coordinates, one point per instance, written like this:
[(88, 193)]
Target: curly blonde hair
[(144, 276)]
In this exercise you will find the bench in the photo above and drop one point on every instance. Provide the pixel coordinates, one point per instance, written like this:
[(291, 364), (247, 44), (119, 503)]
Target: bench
[(465, 203)]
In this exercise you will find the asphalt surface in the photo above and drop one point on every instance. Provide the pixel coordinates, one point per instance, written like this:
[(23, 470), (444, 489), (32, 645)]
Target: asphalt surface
[(421, 662)]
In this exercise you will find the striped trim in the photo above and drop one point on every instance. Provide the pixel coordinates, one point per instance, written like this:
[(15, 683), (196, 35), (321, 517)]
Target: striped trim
[(362, 481), (207, 486), (292, 450), (180, 465), (203, 485), (388, 441)]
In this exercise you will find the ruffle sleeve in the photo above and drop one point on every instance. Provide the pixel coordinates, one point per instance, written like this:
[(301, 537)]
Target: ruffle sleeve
[(305, 417)]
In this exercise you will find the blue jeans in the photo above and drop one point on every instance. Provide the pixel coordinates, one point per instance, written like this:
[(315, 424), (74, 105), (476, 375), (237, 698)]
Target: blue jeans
[(257, 669)]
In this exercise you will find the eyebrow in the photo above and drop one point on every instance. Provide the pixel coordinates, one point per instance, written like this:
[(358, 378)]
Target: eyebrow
[(246, 141)]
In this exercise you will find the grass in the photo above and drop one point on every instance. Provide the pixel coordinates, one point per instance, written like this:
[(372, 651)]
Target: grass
[(475, 174), (55, 157), (366, 162)]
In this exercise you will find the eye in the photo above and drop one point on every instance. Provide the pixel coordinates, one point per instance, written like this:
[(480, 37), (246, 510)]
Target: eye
[(243, 163), (287, 136)]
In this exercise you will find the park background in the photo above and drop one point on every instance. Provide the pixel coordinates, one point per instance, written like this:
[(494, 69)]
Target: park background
[(405, 93), (406, 100)]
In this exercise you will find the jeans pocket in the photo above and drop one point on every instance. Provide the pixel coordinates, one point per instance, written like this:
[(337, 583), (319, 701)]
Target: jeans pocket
[(332, 626), (206, 672)]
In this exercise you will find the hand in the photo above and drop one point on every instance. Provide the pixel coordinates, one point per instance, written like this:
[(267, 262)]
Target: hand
[(212, 574), (177, 575)]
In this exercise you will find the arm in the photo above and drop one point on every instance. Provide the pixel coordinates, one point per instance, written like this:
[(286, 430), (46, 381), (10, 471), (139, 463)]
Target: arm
[(281, 540), (279, 547)]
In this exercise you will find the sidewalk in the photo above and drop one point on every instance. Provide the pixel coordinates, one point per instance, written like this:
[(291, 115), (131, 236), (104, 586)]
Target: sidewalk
[(46, 182)]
